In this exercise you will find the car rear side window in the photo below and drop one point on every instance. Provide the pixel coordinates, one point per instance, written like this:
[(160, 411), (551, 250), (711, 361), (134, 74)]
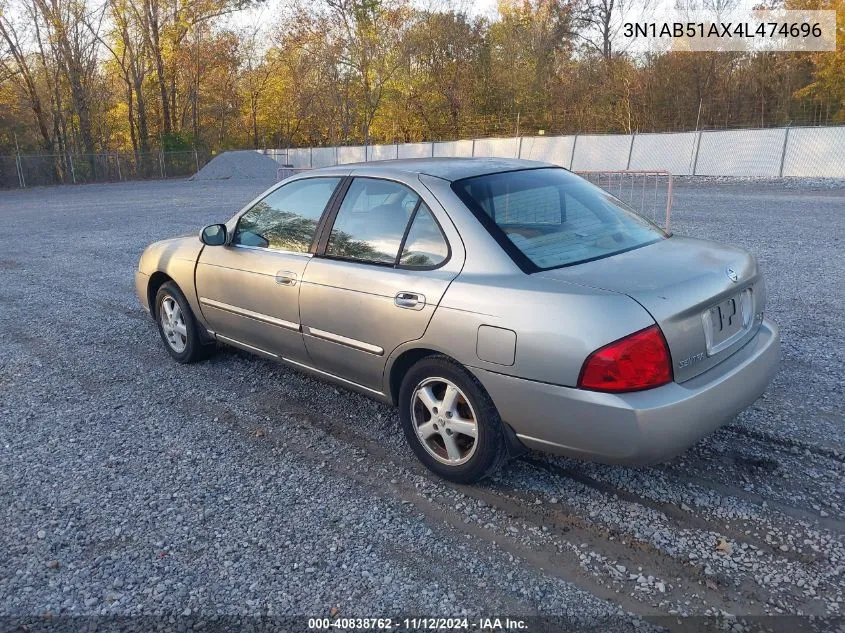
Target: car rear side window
[(548, 218), (287, 218), (425, 246), (371, 221)]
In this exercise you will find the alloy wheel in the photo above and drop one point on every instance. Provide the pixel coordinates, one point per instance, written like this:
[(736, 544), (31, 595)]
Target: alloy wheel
[(444, 421), (173, 324)]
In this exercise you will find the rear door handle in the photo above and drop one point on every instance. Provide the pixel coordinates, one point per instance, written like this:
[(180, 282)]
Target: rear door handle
[(285, 278), (409, 300)]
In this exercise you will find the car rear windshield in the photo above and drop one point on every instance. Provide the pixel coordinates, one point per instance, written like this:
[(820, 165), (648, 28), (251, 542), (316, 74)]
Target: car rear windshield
[(549, 217)]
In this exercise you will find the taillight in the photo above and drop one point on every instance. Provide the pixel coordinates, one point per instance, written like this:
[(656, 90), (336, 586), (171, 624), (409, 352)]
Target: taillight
[(638, 361)]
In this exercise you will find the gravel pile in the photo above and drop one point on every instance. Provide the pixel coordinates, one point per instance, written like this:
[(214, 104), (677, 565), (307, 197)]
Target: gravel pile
[(131, 485), (247, 164)]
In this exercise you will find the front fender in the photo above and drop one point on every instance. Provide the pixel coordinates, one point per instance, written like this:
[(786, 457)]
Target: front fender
[(177, 259)]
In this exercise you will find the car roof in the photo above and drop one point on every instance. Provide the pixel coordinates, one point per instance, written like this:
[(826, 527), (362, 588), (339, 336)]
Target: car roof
[(447, 168)]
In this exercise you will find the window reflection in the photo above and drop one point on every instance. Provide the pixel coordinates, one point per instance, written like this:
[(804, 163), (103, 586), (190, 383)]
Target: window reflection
[(287, 218)]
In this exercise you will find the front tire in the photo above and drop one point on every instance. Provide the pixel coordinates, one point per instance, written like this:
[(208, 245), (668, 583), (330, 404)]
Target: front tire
[(450, 422), (177, 326)]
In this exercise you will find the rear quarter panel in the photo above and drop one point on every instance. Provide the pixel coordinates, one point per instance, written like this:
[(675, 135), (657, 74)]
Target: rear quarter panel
[(557, 325)]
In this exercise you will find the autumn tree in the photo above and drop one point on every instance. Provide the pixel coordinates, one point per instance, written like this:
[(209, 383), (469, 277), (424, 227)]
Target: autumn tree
[(78, 76), (17, 66), (69, 28), (828, 75)]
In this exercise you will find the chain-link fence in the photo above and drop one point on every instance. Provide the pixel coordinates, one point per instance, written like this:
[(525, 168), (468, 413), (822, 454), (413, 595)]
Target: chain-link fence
[(768, 152), (648, 193), (32, 170)]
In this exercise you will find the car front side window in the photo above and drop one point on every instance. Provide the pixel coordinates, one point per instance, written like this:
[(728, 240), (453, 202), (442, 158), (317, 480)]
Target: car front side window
[(287, 218), (371, 221)]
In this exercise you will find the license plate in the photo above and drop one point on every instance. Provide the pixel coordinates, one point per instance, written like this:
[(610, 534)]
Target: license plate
[(727, 322)]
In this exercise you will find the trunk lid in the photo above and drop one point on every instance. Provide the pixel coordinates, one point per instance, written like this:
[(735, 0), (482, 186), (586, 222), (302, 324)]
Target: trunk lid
[(688, 287)]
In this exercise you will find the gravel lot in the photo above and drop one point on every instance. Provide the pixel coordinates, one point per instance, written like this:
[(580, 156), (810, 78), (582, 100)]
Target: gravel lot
[(131, 485)]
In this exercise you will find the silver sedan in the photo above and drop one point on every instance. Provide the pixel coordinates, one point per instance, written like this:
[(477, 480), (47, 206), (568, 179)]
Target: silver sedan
[(500, 304)]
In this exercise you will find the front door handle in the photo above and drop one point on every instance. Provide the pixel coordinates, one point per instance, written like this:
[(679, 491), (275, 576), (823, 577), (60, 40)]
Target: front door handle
[(285, 278), (409, 300)]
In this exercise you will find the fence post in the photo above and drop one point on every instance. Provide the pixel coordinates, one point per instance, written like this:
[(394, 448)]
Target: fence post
[(196, 161), (432, 149), (473, 148), (519, 148), (630, 151), (668, 221), (72, 169), (21, 177), (311, 157), (18, 163), (19, 169), (697, 147), (117, 159), (783, 153), (161, 164), (572, 155)]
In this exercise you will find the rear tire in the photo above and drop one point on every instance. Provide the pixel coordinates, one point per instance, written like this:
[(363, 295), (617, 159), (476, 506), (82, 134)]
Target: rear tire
[(450, 422), (178, 327)]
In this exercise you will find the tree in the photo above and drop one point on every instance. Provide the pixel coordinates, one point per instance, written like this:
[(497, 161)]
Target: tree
[(127, 47), (17, 68), (69, 26), (369, 31), (828, 85), (527, 44), (440, 85)]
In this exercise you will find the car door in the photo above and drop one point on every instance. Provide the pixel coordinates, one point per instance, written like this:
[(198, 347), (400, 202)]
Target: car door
[(382, 267), (248, 290)]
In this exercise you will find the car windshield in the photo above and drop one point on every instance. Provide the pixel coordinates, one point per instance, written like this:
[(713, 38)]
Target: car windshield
[(548, 218)]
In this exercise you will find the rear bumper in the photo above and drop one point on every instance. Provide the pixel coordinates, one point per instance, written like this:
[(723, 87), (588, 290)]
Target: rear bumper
[(635, 428)]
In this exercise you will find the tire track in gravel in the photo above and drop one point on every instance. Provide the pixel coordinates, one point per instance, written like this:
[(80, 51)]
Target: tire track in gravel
[(296, 420), (544, 557), (684, 516), (694, 468), (564, 524), (819, 564), (729, 490), (805, 540), (784, 442), (353, 436), (804, 485), (676, 515)]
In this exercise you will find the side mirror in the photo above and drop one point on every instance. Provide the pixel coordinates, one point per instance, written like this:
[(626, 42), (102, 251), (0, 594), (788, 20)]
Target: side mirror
[(213, 235)]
